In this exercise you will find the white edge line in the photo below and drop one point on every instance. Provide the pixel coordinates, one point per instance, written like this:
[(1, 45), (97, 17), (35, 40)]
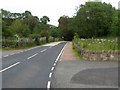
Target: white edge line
[(52, 68), (50, 75), (32, 56), (54, 64), (60, 53), (10, 67), (49, 82), (48, 85)]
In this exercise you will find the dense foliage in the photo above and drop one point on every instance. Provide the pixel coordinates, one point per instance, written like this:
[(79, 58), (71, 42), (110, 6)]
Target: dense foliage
[(94, 19), (17, 27), (23, 24)]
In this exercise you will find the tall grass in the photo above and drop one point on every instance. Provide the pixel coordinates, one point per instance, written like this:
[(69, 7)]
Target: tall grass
[(97, 44)]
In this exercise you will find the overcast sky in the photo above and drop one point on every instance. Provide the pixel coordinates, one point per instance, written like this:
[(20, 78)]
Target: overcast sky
[(51, 8)]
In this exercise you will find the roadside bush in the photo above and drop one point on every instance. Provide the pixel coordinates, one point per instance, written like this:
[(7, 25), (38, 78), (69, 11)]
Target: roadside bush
[(9, 43)]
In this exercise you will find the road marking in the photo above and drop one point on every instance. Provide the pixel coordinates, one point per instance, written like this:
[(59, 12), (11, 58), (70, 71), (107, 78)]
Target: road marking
[(56, 61), (43, 50), (32, 56), (12, 54), (48, 85), (18, 52), (50, 75), (50, 47), (6, 56), (60, 53), (54, 64), (10, 67), (52, 68)]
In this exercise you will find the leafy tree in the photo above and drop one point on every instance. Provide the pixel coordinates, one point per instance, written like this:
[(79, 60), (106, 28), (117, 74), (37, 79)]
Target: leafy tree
[(5, 31), (19, 28), (44, 19), (94, 19), (46, 28), (5, 13), (114, 25), (27, 14), (63, 26), (37, 29), (55, 32), (31, 21), (66, 27)]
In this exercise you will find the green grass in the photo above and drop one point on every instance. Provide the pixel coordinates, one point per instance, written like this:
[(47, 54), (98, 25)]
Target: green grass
[(76, 53), (98, 44)]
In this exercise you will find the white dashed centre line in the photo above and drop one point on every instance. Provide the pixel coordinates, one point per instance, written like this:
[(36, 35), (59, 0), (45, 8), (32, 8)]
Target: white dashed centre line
[(10, 67), (43, 50), (50, 47), (6, 56), (12, 54), (32, 56)]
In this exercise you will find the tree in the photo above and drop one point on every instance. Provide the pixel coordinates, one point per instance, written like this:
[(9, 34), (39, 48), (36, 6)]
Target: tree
[(94, 19), (19, 28), (5, 31), (65, 26), (55, 32), (45, 32), (27, 14), (31, 21), (5, 13), (44, 19), (114, 26)]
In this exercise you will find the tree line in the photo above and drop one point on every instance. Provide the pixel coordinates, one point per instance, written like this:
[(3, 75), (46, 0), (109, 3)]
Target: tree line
[(94, 19), (26, 25)]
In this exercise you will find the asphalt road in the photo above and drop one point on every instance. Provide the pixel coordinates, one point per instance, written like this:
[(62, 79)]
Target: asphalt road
[(30, 68), (86, 75)]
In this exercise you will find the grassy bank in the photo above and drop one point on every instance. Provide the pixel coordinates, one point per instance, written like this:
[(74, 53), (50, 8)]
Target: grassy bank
[(97, 44), (76, 53)]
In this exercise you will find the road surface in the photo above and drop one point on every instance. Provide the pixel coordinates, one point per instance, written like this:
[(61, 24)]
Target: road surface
[(30, 68)]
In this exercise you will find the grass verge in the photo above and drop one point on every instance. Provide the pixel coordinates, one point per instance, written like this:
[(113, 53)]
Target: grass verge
[(76, 52)]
